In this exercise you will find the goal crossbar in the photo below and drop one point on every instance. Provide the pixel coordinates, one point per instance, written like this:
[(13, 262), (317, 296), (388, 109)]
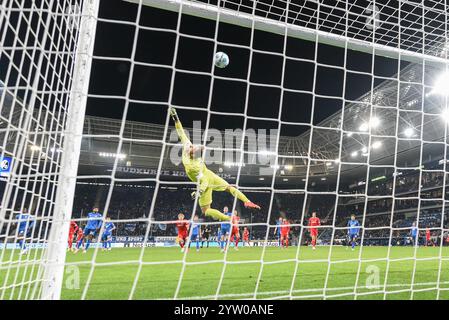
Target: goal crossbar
[(211, 12)]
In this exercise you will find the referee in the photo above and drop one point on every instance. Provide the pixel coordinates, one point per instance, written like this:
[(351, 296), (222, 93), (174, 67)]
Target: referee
[(205, 236)]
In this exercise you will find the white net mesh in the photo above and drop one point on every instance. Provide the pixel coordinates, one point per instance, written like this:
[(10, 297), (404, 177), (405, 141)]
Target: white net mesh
[(338, 108), (37, 49)]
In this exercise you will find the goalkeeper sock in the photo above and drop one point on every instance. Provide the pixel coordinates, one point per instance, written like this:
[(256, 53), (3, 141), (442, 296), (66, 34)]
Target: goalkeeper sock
[(87, 244), (237, 193), (217, 215), (21, 244)]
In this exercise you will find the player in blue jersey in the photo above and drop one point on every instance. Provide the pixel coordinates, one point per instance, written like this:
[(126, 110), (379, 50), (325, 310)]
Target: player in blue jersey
[(414, 234), (225, 230), (277, 230), (219, 236), (94, 222), (25, 223), (106, 237), (196, 231), (353, 230)]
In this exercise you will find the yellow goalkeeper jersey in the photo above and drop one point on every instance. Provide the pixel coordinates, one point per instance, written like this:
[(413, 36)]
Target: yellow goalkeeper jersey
[(193, 166)]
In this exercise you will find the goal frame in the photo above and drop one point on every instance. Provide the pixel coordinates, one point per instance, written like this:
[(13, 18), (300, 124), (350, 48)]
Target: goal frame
[(55, 253), (242, 19)]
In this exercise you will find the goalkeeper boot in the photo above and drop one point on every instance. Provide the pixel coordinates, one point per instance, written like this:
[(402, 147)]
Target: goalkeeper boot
[(251, 205)]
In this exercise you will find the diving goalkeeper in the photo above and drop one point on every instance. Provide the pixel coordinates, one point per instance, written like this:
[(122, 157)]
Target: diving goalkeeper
[(197, 171)]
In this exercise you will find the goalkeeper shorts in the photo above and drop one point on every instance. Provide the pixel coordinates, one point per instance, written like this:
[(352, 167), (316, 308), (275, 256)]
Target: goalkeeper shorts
[(214, 183)]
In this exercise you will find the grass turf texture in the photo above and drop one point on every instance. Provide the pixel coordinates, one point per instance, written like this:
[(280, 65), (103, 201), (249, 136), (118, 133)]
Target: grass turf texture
[(159, 281)]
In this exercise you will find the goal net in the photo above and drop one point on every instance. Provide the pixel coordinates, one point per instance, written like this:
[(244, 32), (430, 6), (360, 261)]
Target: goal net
[(41, 106), (331, 116)]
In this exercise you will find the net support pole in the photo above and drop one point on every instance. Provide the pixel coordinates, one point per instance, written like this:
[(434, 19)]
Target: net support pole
[(54, 256)]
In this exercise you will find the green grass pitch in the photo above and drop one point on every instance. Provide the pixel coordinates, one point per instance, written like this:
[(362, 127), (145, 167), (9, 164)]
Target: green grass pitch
[(162, 267)]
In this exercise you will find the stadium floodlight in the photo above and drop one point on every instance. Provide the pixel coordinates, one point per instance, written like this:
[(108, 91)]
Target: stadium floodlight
[(409, 132), (328, 164), (445, 115), (364, 150), (378, 178), (58, 150), (354, 154), (288, 167), (364, 127), (376, 145), (112, 155), (323, 179), (374, 122), (35, 148), (441, 85), (412, 103), (266, 152), (349, 134)]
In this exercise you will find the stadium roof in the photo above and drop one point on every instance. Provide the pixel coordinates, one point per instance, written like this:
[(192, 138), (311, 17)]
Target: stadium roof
[(142, 141)]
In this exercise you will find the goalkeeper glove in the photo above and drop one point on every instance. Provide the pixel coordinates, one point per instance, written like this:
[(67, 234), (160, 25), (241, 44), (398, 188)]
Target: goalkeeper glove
[(193, 194), (173, 114)]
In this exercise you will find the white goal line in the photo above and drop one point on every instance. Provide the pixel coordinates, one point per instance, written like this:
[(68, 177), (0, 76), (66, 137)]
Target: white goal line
[(334, 289)]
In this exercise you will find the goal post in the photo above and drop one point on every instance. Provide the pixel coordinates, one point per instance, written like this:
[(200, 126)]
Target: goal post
[(55, 254), (45, 58)]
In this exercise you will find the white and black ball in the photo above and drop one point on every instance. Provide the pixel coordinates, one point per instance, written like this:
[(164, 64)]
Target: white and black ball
[(221, 60)]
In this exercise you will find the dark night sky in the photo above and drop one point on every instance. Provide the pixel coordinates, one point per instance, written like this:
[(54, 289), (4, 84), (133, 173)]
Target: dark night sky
[(152, 84)]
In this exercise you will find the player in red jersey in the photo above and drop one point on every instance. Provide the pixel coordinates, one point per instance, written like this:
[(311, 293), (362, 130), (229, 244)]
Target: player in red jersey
[(428, 240), (314, 221), (285, 230), (79, 239), (235, 233), (73, 228), (183, 230), (245, 236)]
